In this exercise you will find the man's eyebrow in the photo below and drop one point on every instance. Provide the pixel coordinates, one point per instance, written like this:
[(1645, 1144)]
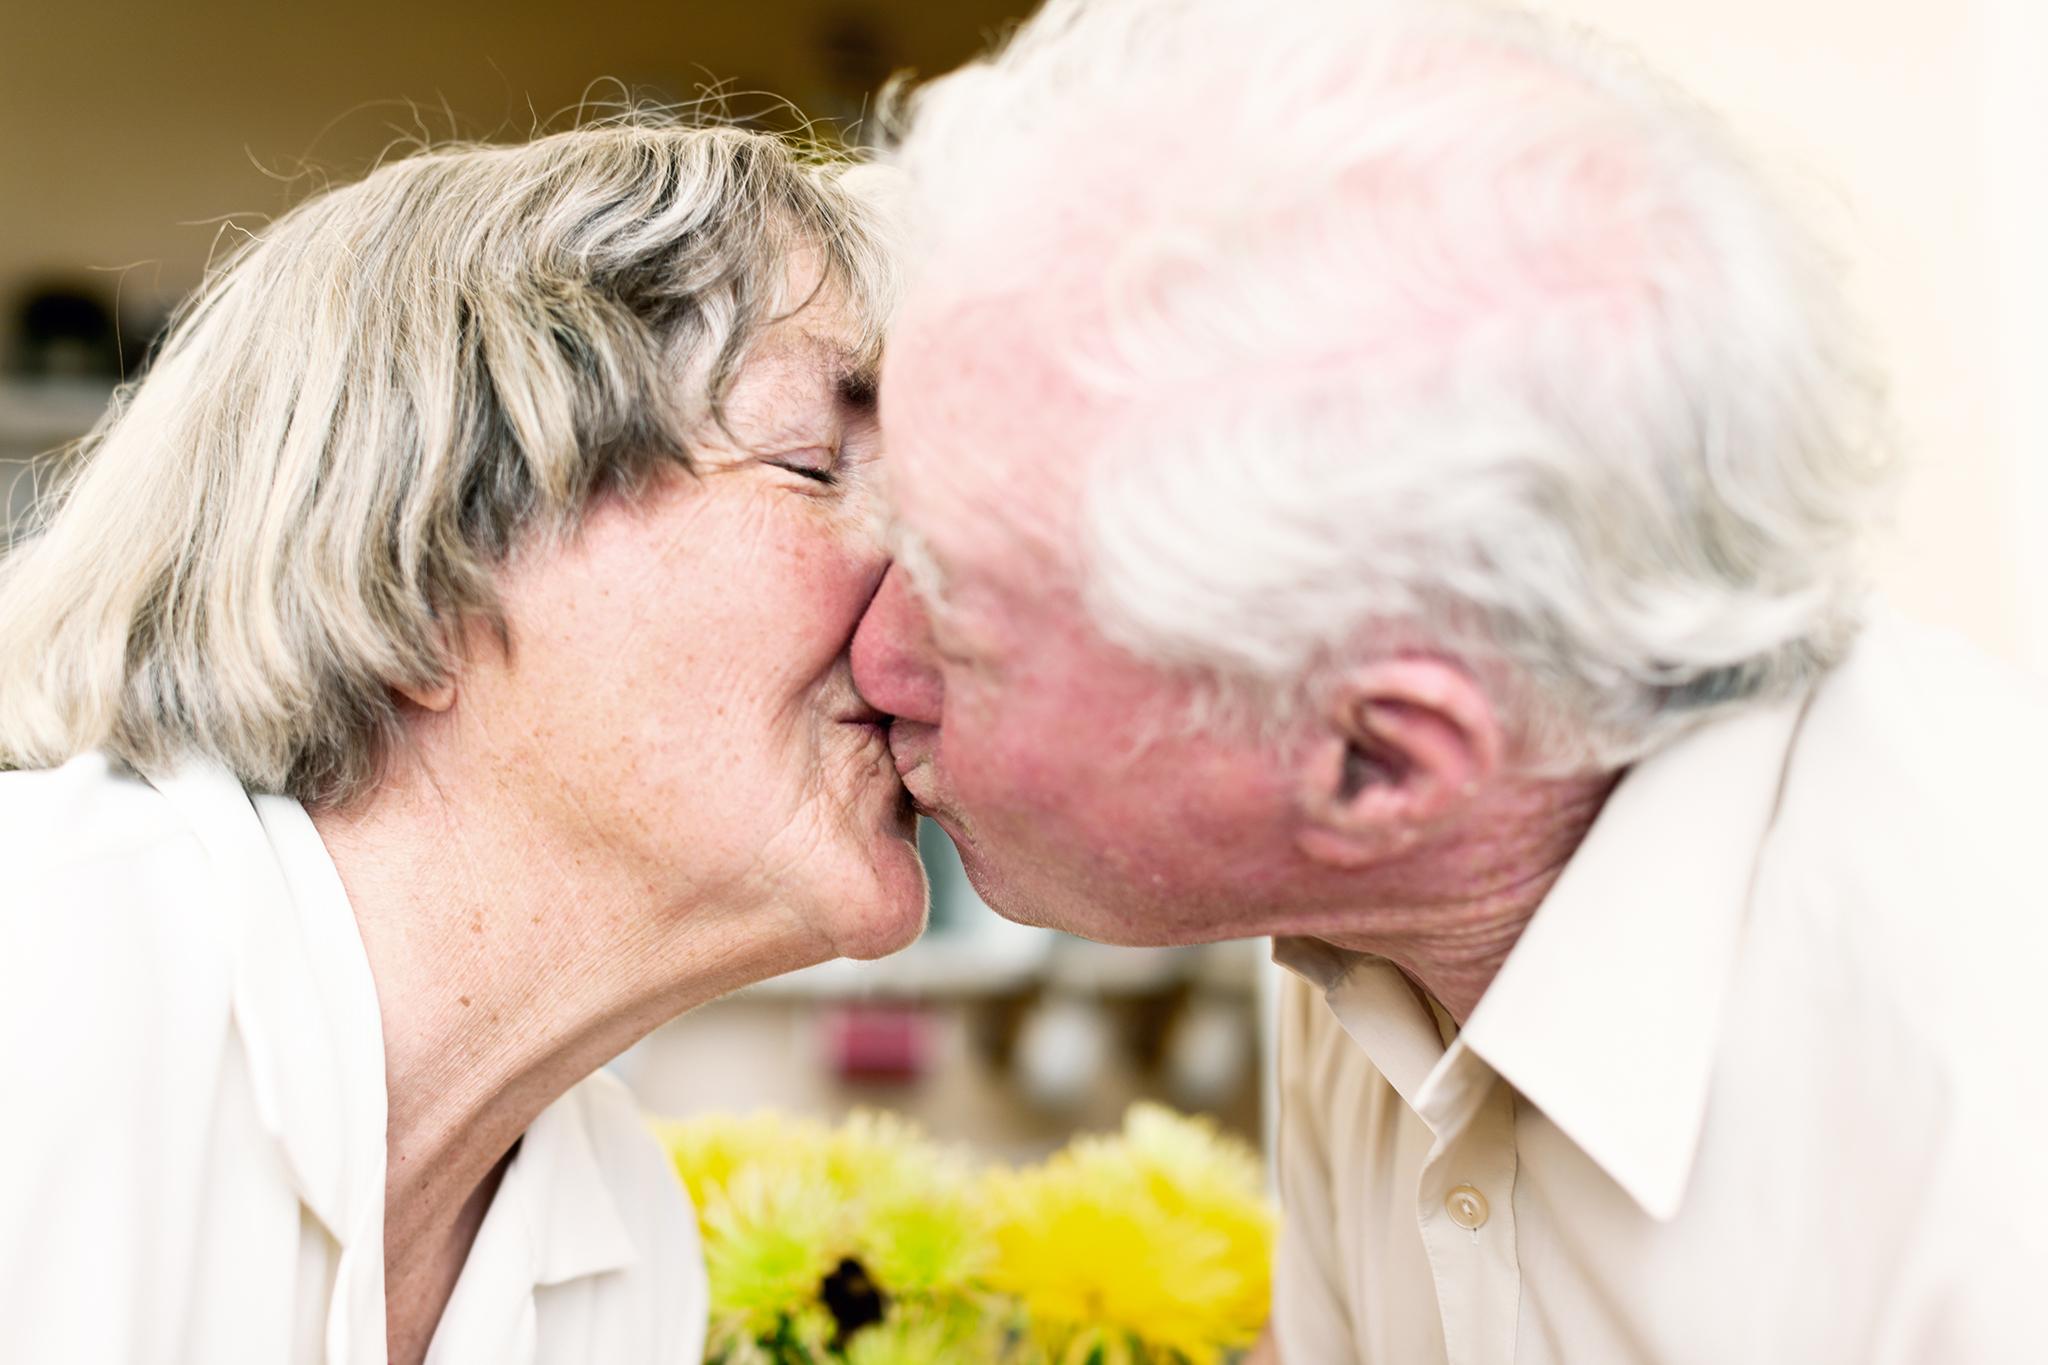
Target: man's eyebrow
[(927, 576), (856, 375), (856, 388)]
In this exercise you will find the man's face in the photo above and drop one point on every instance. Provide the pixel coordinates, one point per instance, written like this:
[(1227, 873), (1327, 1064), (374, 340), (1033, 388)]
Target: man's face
[(1068, 773)]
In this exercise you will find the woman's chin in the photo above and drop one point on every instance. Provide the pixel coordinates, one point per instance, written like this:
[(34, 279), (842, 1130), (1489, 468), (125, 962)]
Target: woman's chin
[(880, 905)]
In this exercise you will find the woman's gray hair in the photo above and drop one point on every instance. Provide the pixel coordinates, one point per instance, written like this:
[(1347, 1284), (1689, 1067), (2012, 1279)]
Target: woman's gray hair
[(370, 404)]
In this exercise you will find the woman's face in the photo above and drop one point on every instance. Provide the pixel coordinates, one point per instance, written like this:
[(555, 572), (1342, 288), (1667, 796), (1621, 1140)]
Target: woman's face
[(678, 705)]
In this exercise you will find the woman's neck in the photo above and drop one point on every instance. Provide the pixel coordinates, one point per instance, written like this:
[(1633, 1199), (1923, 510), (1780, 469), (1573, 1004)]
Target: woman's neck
[(511, 960)]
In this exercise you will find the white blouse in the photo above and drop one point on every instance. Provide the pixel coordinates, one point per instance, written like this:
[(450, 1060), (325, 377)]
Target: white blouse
[(192, 1112)]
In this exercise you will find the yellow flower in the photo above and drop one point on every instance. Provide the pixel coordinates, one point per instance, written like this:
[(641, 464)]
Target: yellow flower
[(782, 1202), (771, 1236), (709, 1150), (920, 1228), (956, 1334), (1156, 1239), (1145, 1248)]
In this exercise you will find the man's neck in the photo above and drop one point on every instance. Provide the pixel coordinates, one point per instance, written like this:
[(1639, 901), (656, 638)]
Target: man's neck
[(1449, 914), (510, 962)]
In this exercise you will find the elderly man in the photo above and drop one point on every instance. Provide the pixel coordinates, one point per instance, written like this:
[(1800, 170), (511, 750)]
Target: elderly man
[(1388, 477)]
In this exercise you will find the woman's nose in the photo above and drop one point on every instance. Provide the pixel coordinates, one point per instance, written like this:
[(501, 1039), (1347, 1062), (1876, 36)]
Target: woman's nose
[(894, 665)]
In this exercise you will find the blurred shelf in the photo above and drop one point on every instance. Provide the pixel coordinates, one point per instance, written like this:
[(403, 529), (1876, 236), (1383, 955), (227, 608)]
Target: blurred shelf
[(36, 418), (1001, 958), (992, 958), (39, 415)]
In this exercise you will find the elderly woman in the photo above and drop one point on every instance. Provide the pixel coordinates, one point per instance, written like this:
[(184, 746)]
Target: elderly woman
[(436, 678)]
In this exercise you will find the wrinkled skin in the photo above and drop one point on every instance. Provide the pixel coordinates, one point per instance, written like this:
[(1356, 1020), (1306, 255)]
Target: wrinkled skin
[(681, 693), (1067, 772)]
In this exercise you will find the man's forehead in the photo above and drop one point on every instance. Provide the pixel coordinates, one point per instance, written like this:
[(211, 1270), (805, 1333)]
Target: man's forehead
[(968, 562), (972, 362), (975, 413)]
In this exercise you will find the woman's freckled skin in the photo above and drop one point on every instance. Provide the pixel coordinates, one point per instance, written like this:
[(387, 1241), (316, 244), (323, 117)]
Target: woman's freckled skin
[(690, 702)]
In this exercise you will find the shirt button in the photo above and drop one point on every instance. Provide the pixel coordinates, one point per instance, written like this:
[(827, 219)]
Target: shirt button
[(1467, 1207)]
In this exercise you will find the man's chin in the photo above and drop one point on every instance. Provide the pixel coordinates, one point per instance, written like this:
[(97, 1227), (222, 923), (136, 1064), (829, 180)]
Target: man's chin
[(1021, 893), (1024, 899), (1008, 896)]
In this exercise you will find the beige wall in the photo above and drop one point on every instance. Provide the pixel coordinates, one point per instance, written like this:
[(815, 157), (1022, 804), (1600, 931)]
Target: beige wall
[(2014, 164), (127, 125), (1900, 112)]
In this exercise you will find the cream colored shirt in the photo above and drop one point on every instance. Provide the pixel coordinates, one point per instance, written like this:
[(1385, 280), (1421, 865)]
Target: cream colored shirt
[(192, 1112), (1763, 1081)]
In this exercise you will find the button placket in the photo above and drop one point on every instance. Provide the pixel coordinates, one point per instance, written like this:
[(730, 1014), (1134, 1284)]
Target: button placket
[(1468, 1229)]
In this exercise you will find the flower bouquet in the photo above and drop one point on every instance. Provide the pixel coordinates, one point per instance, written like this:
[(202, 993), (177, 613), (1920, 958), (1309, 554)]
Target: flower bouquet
[(870, 1244)]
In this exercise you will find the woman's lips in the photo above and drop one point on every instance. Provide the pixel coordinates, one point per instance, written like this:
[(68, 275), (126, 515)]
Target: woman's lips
[(910, 745), (874, 724)]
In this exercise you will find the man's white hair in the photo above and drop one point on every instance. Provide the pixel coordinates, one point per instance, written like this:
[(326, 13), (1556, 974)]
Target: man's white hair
[(1416, 324), (370, 405)]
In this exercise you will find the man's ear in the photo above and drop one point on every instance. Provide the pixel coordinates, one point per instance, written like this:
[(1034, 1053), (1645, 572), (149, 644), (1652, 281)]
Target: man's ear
[(1401, 744)]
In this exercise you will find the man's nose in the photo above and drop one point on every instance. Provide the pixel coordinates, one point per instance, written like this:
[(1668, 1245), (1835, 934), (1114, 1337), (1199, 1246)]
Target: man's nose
[(894, 665)]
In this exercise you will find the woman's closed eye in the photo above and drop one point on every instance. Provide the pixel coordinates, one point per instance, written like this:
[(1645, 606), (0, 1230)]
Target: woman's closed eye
[(818, 464)]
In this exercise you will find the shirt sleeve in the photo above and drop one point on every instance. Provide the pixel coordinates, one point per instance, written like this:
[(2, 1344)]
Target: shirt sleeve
[(1311, 1317)]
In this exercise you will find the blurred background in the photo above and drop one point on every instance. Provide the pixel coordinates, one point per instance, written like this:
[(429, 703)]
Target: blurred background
[(138, 138)]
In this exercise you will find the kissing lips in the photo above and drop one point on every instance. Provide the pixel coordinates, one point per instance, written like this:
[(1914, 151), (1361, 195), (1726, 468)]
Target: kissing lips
[(874, 724), (914, 770)]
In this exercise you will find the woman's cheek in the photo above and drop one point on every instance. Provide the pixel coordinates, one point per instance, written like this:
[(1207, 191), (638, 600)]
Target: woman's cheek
[(841, 581)]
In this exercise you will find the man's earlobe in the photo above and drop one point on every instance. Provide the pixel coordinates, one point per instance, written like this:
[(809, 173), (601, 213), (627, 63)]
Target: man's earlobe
[(1402, 744)]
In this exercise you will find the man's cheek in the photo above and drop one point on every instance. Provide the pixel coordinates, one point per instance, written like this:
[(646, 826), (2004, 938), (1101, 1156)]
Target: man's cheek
[(1046, 777)]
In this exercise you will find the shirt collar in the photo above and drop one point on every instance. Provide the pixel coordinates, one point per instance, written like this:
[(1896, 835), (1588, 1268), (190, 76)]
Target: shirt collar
[(305, 1010), (1376, 1003), (305, 1005), (553, 1220), (1606, 1014), (571, 1212)]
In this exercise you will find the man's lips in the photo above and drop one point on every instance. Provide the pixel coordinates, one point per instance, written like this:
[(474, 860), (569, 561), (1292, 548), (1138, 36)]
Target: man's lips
[(910, 747)]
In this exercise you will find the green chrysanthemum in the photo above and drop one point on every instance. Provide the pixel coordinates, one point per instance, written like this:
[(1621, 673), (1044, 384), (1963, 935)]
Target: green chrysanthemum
[(770, 1238), (922, 1231), (958, 1332)]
